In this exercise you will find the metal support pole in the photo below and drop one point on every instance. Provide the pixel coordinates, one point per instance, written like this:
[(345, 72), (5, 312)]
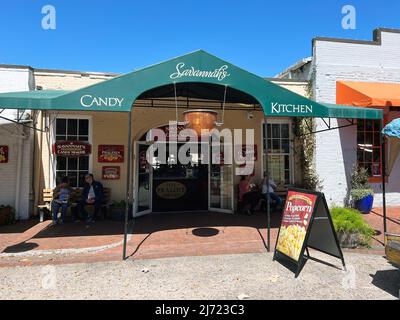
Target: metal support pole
[(128, 184), (267, 178), (383, 172)]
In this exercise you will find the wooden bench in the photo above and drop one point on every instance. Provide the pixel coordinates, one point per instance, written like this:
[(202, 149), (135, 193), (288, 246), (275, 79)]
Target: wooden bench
[(76, 197), (281, 192), (392, 248)]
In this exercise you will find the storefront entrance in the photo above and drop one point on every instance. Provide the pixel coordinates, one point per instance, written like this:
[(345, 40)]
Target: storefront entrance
[(178, 187)]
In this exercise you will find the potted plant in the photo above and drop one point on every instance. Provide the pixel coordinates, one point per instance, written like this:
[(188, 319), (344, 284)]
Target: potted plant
[(351, 228), (361, 193), (6, 215)]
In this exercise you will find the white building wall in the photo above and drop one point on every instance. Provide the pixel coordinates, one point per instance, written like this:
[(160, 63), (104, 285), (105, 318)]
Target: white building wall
[(13, 192), (336, 150)]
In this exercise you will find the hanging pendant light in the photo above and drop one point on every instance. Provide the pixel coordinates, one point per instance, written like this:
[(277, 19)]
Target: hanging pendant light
[(200, 119)]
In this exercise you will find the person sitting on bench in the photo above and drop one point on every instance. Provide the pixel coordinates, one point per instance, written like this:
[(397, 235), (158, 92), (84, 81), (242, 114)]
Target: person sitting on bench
[(268, 188), (92, 194), (248, 196), (61, 199)]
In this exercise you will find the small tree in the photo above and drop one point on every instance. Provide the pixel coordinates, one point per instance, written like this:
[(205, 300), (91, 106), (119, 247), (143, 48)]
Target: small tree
[(359, 178)]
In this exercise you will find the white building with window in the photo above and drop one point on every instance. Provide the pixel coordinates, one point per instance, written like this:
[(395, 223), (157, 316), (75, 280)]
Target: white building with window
[(362, 73), (16, 189)]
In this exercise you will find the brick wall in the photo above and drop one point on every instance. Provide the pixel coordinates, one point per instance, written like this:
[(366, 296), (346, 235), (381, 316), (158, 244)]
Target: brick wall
[(336, 150)]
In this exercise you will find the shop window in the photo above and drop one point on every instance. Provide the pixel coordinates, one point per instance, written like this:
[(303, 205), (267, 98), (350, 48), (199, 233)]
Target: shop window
[(73, 168), (369, 149), (279, 152)]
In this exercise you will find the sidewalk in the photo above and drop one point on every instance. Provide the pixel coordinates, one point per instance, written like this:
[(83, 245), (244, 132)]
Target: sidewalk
[(154, 236), (205, 277)]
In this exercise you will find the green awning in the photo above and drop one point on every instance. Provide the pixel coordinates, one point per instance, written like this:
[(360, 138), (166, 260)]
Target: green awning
[(200, 68)]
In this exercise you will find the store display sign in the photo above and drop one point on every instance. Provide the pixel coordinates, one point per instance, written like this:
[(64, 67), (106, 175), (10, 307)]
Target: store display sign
[(3, 154), (171, 190), (111, 153), (111, 173), (306, 223), (72, 149), (295, 221)]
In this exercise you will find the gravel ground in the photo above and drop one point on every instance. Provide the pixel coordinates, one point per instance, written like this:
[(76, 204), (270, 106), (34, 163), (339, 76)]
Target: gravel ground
[(207, 277)]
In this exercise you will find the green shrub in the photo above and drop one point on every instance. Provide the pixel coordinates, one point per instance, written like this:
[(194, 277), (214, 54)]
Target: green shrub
[(348, 220)]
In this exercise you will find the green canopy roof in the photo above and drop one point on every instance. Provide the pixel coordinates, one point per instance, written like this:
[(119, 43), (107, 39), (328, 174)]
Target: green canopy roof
[(120, 93)]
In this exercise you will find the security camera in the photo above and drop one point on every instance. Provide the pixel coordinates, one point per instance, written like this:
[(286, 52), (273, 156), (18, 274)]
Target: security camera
[(250, 115)]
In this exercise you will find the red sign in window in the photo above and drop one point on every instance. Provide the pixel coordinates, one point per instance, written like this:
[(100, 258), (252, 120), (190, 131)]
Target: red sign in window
[(3, 154)]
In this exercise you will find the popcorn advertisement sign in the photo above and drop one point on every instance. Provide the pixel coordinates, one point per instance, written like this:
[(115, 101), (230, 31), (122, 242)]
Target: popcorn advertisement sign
[(297, 214), (306, 224)]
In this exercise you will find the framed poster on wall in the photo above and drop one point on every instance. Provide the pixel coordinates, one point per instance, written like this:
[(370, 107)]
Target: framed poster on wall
[(111, 173), (108, 153), (3, 154)]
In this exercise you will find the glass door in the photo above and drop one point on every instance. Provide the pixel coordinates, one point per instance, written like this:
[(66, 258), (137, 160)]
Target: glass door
[(143, 182), (220, 185)]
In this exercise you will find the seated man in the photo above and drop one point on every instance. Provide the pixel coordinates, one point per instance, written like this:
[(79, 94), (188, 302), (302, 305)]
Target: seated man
[(92, 194), (268, 188), (61, 199)]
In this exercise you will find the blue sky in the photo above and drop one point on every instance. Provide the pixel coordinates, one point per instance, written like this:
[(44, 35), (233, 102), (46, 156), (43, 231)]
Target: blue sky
[(263, 37)]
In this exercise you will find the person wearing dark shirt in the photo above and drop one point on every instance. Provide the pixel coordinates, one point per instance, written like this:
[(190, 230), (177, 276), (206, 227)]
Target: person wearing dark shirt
[(92, 195)]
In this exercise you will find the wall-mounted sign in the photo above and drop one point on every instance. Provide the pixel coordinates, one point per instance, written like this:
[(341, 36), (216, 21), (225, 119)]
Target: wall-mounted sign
[(111, 153), (279, 108), (72, 149), (171, 190), (182, 72), (89, 101), (3, 154), (111, 173), (306, 223)]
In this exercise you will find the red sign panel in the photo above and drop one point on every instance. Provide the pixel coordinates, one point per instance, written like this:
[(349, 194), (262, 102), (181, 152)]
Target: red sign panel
[(3, 154), (72, 149), (299, 208), (111, 173), (111, 153)]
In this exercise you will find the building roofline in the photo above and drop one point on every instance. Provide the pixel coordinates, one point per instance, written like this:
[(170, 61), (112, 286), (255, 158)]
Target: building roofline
[(286, 80), (297, 65), (83, 73), (15, 66), (377, 38)]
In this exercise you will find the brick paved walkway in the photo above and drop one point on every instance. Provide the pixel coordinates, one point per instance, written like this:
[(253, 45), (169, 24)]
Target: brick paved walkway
[(154, 236)]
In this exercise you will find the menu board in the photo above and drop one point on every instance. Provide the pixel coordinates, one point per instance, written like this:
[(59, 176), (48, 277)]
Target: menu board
[(295, 221)]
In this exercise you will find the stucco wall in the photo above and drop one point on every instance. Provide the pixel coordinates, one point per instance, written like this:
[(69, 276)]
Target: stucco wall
[(16, 184), (336, 150)]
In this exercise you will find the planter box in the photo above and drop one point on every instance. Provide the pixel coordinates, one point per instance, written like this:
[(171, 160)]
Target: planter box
[(116, 214), (5, 215), (348, 240)]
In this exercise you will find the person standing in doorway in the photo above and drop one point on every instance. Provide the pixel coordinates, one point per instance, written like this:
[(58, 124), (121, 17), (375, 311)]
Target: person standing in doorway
[(92, 195)]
